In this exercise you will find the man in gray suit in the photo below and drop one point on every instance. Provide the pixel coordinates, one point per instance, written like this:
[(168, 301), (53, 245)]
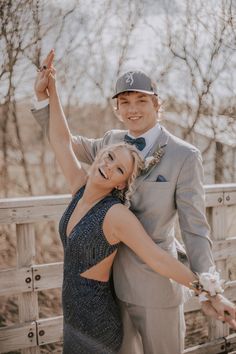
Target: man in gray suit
[(152, 306)]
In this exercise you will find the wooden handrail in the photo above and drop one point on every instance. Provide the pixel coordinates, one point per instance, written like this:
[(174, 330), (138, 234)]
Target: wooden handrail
[(28, 278)]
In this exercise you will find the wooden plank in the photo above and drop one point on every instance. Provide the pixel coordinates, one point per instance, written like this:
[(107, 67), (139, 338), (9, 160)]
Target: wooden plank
[(219, 228), (31, 209), (14, 281), (30, 214), (220, 187), (27, 302), (230, 198), (48, 276), (208, 348), (214, 199), (63, 199), (224, 249), (50, 330), (48, 200), (18, 337), (217, 346)]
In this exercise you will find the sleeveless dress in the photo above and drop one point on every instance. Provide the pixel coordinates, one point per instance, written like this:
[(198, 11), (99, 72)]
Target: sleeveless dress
[(92, 320)]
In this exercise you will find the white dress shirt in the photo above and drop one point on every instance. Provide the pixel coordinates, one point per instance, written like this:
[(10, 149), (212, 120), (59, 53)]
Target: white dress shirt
[(40, 104), (150, 137)]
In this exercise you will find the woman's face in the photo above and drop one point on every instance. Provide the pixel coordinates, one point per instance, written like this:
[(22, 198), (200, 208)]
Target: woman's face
[(113, 167)]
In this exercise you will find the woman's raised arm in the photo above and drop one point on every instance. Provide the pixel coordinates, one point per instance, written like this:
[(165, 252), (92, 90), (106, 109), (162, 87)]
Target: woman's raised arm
[(60, 137)]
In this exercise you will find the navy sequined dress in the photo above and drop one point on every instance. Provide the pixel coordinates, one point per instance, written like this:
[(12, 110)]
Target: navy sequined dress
[(92, 321)]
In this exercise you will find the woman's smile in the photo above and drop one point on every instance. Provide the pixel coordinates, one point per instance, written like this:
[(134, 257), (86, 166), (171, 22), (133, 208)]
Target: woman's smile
[(102, 172)]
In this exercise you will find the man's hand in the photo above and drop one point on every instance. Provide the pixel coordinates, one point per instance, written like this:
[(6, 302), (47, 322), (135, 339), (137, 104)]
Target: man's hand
[(220, 308), (42, 79)]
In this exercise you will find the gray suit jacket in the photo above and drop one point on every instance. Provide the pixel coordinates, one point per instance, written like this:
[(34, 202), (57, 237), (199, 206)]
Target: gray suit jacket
[(156, 205)]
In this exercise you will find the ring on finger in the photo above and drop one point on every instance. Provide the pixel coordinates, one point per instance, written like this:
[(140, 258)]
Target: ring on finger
[(41, 68)]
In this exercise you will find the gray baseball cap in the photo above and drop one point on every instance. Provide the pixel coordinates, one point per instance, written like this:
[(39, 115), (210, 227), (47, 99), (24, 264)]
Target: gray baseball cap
[(135, 81)]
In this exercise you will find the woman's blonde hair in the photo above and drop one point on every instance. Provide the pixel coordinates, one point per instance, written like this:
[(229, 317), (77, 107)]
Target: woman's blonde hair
[(138, 165)]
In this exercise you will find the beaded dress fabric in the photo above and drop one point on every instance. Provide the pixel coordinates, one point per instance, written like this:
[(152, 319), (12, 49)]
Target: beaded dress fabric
[(92, 321)]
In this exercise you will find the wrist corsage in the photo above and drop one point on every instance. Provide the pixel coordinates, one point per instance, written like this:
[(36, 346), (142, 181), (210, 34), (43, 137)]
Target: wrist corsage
[(207, 284)]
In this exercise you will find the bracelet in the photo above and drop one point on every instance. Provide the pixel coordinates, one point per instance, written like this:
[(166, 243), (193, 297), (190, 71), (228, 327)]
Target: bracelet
[(202, 297), (207, 284)]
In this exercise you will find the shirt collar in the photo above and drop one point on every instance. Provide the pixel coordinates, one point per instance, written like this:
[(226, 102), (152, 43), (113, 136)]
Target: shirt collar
[(151, 135)]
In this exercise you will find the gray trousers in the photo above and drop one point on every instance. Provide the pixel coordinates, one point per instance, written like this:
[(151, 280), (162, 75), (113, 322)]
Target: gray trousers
[(152, 330)]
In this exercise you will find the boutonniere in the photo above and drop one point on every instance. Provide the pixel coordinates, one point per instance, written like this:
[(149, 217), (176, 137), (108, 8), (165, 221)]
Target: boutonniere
[(153, 160)]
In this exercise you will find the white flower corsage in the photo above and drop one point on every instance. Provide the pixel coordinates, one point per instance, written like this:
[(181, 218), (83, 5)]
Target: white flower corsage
[(211, 282), (208, 284)]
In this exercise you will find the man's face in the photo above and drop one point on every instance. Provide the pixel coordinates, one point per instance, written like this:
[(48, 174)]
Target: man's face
[(138, 111)]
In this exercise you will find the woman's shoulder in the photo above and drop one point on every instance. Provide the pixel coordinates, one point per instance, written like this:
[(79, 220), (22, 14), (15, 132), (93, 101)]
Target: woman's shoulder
[(120, 222), (109, 202), (119, 213), (114, 216)]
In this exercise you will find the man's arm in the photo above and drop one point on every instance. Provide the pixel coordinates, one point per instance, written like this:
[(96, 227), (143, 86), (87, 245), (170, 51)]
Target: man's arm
[(41, 115), (190, 200), (84, 148)]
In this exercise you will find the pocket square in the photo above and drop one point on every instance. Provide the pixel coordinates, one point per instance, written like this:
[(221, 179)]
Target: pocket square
[(161, 178)]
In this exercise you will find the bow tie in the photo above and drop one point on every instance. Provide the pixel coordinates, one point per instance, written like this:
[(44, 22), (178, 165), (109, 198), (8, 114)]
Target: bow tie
[(140, 143)]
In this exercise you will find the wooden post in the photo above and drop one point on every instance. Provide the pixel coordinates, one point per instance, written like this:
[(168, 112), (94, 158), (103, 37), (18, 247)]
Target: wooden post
[(219, 229), (27, 302)]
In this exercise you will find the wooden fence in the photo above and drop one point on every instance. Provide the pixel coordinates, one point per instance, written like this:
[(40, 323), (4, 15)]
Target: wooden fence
[(29, 278)]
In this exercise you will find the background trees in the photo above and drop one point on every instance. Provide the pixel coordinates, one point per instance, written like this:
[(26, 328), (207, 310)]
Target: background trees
[(188, 48)]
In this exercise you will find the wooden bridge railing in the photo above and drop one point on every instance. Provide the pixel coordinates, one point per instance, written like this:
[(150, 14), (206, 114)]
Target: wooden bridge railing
[(29, 278)]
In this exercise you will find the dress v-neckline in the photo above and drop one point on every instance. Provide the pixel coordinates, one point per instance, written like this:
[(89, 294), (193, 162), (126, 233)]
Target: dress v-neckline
[(68, 235)]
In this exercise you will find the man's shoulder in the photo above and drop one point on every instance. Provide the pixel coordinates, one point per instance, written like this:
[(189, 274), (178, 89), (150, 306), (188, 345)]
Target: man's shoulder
[(175, 142), (114, 135)]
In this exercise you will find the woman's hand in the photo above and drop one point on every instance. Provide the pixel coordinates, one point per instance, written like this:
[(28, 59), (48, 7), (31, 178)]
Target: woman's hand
[(42, 79), (220, 308), (51, 80)]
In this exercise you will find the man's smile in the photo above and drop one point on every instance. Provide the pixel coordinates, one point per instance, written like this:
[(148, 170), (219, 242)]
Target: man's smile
[(134, 117)]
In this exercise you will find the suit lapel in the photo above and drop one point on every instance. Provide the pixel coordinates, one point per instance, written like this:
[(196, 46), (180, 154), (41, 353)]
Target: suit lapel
[(161, 141)]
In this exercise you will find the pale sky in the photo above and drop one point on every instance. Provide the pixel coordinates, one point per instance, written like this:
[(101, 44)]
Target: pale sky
[(146, 49)]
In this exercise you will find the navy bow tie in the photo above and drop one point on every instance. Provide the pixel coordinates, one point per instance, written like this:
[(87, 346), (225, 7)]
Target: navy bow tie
[(140, 143)]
